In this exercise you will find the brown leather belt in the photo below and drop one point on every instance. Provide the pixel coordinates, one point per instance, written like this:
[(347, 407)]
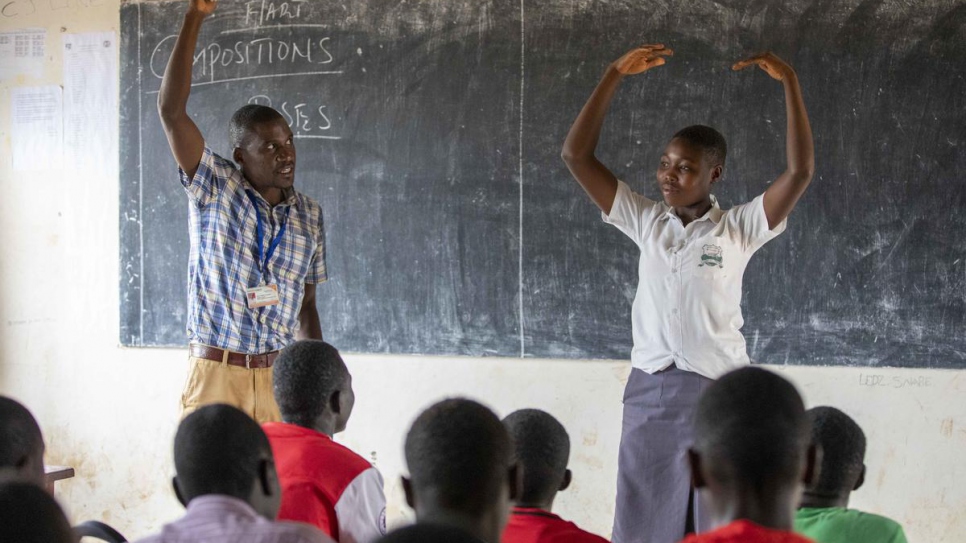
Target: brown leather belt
[(251, 361)]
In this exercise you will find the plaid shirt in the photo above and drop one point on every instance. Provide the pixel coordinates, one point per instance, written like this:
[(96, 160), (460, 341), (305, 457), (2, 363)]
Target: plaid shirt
[(222, 262)]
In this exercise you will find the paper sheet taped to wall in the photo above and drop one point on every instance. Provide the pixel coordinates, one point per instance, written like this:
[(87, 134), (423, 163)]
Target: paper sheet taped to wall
[(22, 53), (90, 103), (37, 131)]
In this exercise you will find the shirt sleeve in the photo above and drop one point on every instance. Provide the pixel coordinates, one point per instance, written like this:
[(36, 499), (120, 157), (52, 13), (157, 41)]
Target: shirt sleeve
[(627, 212), (899, 536), (361, 509), (317, 270), (210, 178), (751, 223)]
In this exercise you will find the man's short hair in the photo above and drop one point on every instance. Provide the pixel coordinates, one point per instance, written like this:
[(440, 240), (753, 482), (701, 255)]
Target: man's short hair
[(245, 118), (28, 514), (218, 450), (711, 143), (542, 447), (459, 452), (304, 377), (843, 449), (19, 433), (752, 426)]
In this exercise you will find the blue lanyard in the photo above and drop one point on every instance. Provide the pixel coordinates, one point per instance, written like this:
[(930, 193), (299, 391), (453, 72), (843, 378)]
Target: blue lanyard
[(260, 232)]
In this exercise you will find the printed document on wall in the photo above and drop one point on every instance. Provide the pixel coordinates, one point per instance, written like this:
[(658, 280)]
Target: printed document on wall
[(22, 53), (90, 103), (37, 131)]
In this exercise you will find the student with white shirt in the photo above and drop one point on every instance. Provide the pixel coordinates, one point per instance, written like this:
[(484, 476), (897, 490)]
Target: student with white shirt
[(225, 478), (686, 316)]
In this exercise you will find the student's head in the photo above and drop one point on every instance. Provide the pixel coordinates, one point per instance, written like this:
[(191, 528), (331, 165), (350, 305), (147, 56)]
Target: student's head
[(461, 468), (313, 387), (752, 442), (21, 443), (542, 449), (263, 147), (220, 450), (28, 514), (692, 161), (842, 443)]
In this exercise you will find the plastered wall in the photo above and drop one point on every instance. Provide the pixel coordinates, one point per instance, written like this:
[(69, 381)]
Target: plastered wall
[(111, 413)]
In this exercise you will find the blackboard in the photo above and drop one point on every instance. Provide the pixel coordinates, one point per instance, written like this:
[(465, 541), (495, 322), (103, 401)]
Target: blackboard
[(430, 132)]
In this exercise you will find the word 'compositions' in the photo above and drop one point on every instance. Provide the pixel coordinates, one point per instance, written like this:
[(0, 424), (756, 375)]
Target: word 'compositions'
[(254, 52)]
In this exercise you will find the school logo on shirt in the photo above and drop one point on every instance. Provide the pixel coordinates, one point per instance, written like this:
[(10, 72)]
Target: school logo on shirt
[(711, 256)]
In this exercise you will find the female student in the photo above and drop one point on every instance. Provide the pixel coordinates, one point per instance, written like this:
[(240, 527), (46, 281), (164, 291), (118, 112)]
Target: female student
[(686, 316)]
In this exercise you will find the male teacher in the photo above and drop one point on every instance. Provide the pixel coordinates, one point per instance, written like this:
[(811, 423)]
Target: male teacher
[(257, 245)]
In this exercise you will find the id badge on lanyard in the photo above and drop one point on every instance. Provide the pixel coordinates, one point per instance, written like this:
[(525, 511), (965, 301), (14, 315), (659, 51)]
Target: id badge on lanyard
[(264, 294)]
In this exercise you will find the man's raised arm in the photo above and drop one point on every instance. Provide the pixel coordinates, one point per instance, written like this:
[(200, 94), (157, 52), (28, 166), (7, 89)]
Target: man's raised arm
[(187, 143)]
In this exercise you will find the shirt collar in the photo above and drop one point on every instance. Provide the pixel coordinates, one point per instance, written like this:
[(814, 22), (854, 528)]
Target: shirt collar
[(533, 511), (289, 195), (219, 503), (714, 214), (285, 429)]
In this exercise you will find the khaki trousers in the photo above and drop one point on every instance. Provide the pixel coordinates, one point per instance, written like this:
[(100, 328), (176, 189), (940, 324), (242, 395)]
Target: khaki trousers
[(215, 381)]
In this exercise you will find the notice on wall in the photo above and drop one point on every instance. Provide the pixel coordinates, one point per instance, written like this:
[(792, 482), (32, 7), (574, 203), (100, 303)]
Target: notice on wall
[(37, 132), (90, 103), (22, 53)]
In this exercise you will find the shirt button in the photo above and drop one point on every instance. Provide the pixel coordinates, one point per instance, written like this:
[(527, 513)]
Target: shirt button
[(674, 270), (675, 311), (261, 319)]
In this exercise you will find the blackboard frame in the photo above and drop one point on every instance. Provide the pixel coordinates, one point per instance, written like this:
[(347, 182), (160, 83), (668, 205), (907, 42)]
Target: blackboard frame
[(502, 254)]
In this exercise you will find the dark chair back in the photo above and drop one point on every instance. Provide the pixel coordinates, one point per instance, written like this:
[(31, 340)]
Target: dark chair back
[(99, 530)]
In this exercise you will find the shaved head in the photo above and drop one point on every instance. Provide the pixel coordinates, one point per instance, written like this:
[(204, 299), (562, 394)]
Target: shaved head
[(542, 447), (843, 450), (245, 118), (28, 514), (459, 452), (21, 443), (751, 428), (218, 450)]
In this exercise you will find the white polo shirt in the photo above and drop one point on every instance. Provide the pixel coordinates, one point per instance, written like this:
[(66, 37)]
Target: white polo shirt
[(687, 311)]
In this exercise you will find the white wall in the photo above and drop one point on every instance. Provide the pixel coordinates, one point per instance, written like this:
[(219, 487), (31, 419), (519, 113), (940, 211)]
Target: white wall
[(111, 412)]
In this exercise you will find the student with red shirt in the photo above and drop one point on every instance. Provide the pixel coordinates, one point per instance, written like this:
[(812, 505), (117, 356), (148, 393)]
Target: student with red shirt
[(542, 451), (752, 456), (323, 483)]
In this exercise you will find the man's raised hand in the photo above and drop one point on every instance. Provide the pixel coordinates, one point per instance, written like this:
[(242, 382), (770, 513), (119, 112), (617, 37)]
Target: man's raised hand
[(642, 59), (204, 7), (774, 66)]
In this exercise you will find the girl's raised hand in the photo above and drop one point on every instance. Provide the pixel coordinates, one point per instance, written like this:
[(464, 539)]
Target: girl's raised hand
[(774, 66), (642, 59)]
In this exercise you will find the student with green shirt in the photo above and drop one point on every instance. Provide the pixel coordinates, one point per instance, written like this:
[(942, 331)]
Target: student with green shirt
[(824, 515)]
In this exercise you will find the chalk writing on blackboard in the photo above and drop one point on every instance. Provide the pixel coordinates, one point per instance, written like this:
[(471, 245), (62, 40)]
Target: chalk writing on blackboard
[(305, 120)]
